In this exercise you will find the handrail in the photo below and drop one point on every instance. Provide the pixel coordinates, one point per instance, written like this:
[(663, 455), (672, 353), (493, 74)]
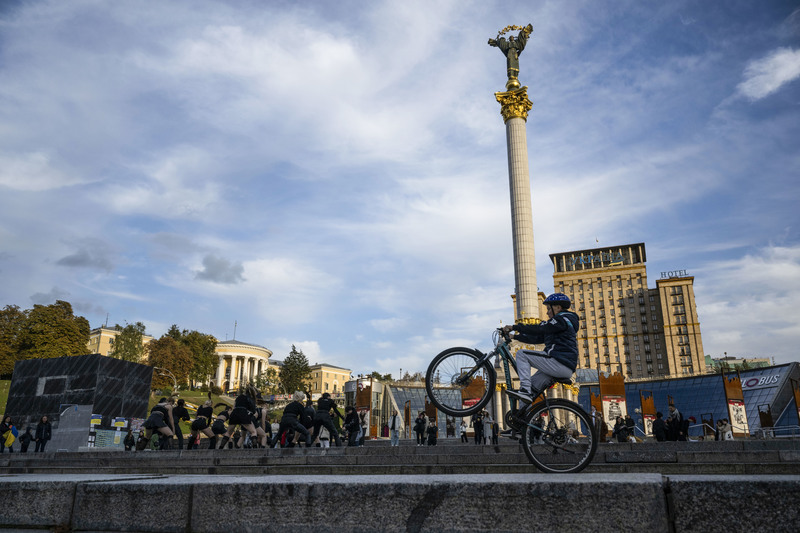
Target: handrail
[(770, 432)]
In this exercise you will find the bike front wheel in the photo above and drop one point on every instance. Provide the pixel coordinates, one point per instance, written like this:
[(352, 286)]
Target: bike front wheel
[(457, 384), (558, 437)]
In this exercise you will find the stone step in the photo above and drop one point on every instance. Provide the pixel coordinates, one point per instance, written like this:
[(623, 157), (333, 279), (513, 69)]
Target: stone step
[(675, 458)]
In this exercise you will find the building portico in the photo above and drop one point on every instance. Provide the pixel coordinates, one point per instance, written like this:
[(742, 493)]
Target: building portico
[(239, 362)]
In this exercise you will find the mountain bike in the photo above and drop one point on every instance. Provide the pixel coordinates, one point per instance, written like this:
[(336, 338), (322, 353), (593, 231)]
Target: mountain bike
[(556, 434)]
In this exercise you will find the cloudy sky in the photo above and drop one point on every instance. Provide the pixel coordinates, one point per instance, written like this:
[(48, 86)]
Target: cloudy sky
[(333, 174)]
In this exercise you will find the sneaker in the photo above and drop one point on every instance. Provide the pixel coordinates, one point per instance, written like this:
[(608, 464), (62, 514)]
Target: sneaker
[(521, 394)]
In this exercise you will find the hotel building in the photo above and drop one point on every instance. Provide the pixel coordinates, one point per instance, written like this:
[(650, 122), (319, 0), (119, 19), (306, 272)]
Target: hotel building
[(627, 327)]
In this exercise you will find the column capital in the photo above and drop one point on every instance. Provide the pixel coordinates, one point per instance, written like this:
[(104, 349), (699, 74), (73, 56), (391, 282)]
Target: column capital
[(515, 104)]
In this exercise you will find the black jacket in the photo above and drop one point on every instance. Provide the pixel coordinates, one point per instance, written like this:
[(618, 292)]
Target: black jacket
[(44, 431), (558, 336)]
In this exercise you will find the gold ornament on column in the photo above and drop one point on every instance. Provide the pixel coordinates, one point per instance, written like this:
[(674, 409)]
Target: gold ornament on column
[(514, 104)]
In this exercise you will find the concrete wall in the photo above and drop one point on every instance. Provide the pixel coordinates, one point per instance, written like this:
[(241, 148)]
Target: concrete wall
[(514, 502)]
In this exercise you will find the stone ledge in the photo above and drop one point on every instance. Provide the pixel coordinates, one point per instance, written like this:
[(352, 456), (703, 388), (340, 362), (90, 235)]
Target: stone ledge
[(468, 502)]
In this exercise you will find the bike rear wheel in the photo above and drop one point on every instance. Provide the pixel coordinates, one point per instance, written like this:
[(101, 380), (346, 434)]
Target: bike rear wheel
[(457, 385), (558, 437)]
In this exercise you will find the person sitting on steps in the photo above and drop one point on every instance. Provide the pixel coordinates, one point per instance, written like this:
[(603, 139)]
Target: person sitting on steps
[(560, 356)]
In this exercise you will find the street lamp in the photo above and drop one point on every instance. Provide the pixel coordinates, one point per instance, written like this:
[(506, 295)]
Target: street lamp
[(167, 374)]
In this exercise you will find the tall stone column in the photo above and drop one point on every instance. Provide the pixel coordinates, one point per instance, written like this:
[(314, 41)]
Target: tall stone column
[(221, 371), (514, 108)]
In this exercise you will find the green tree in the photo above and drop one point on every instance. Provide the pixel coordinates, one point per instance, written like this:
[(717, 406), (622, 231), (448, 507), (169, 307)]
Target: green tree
[(295, 374), (169, 354), (53, 331), (202, 347), (129, 345), (269, 382), (12, 323), (380, 377)]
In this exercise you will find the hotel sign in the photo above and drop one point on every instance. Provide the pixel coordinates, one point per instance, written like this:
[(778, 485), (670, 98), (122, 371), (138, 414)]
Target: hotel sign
[(674, 274), (611, 258)]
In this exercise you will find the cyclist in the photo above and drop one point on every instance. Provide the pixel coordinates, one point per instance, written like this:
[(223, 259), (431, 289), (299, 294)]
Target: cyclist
[(560, 356)]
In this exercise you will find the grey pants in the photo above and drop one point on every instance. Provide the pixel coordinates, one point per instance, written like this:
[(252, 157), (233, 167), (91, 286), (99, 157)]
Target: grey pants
[(547, 367)]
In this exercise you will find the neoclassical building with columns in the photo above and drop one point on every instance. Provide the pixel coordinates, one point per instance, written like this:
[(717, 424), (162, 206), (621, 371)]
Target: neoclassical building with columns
[(239, 362)]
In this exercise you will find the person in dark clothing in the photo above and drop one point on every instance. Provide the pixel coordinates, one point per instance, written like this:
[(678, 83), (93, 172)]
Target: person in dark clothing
[(179, 412), (419, 429), (433, 433), (630, 425), (142, 441), (660, 427), (261, 423), (675, 424), (560, 356), (129, 441), (25, 440), (292, 414), (309, 413), (352, 425), (202, 424), (218, 427), (243, 408), (620, 430), (44, 432), (477, 426), (160, 420), (322, 418)]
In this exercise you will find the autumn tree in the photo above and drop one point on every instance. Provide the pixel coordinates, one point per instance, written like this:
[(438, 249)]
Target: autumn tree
[(203, 350), (12, 322), (53, 331), (295, 374), (128, 344), (169, 354)]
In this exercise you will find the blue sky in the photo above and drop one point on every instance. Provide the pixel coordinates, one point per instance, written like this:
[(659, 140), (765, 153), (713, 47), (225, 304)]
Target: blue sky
[(334, 175)]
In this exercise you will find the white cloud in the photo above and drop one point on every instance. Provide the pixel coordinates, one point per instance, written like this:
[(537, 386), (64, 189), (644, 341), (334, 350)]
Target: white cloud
[(748, 306), (35, 171), (767, 75)]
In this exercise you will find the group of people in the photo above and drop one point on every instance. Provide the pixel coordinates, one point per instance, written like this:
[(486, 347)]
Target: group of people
[(426, 430), (9, 434), (486, 429), (247, 424)]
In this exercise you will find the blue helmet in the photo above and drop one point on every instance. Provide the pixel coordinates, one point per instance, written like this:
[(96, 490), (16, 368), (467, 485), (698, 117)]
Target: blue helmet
[(558, 298)]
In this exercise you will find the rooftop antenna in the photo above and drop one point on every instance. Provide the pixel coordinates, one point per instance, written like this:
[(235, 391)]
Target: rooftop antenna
[(234, 329), (106, 324)]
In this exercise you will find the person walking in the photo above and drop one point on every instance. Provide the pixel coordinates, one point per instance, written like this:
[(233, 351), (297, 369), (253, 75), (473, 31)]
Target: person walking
[(462, 428), (394, 428)]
